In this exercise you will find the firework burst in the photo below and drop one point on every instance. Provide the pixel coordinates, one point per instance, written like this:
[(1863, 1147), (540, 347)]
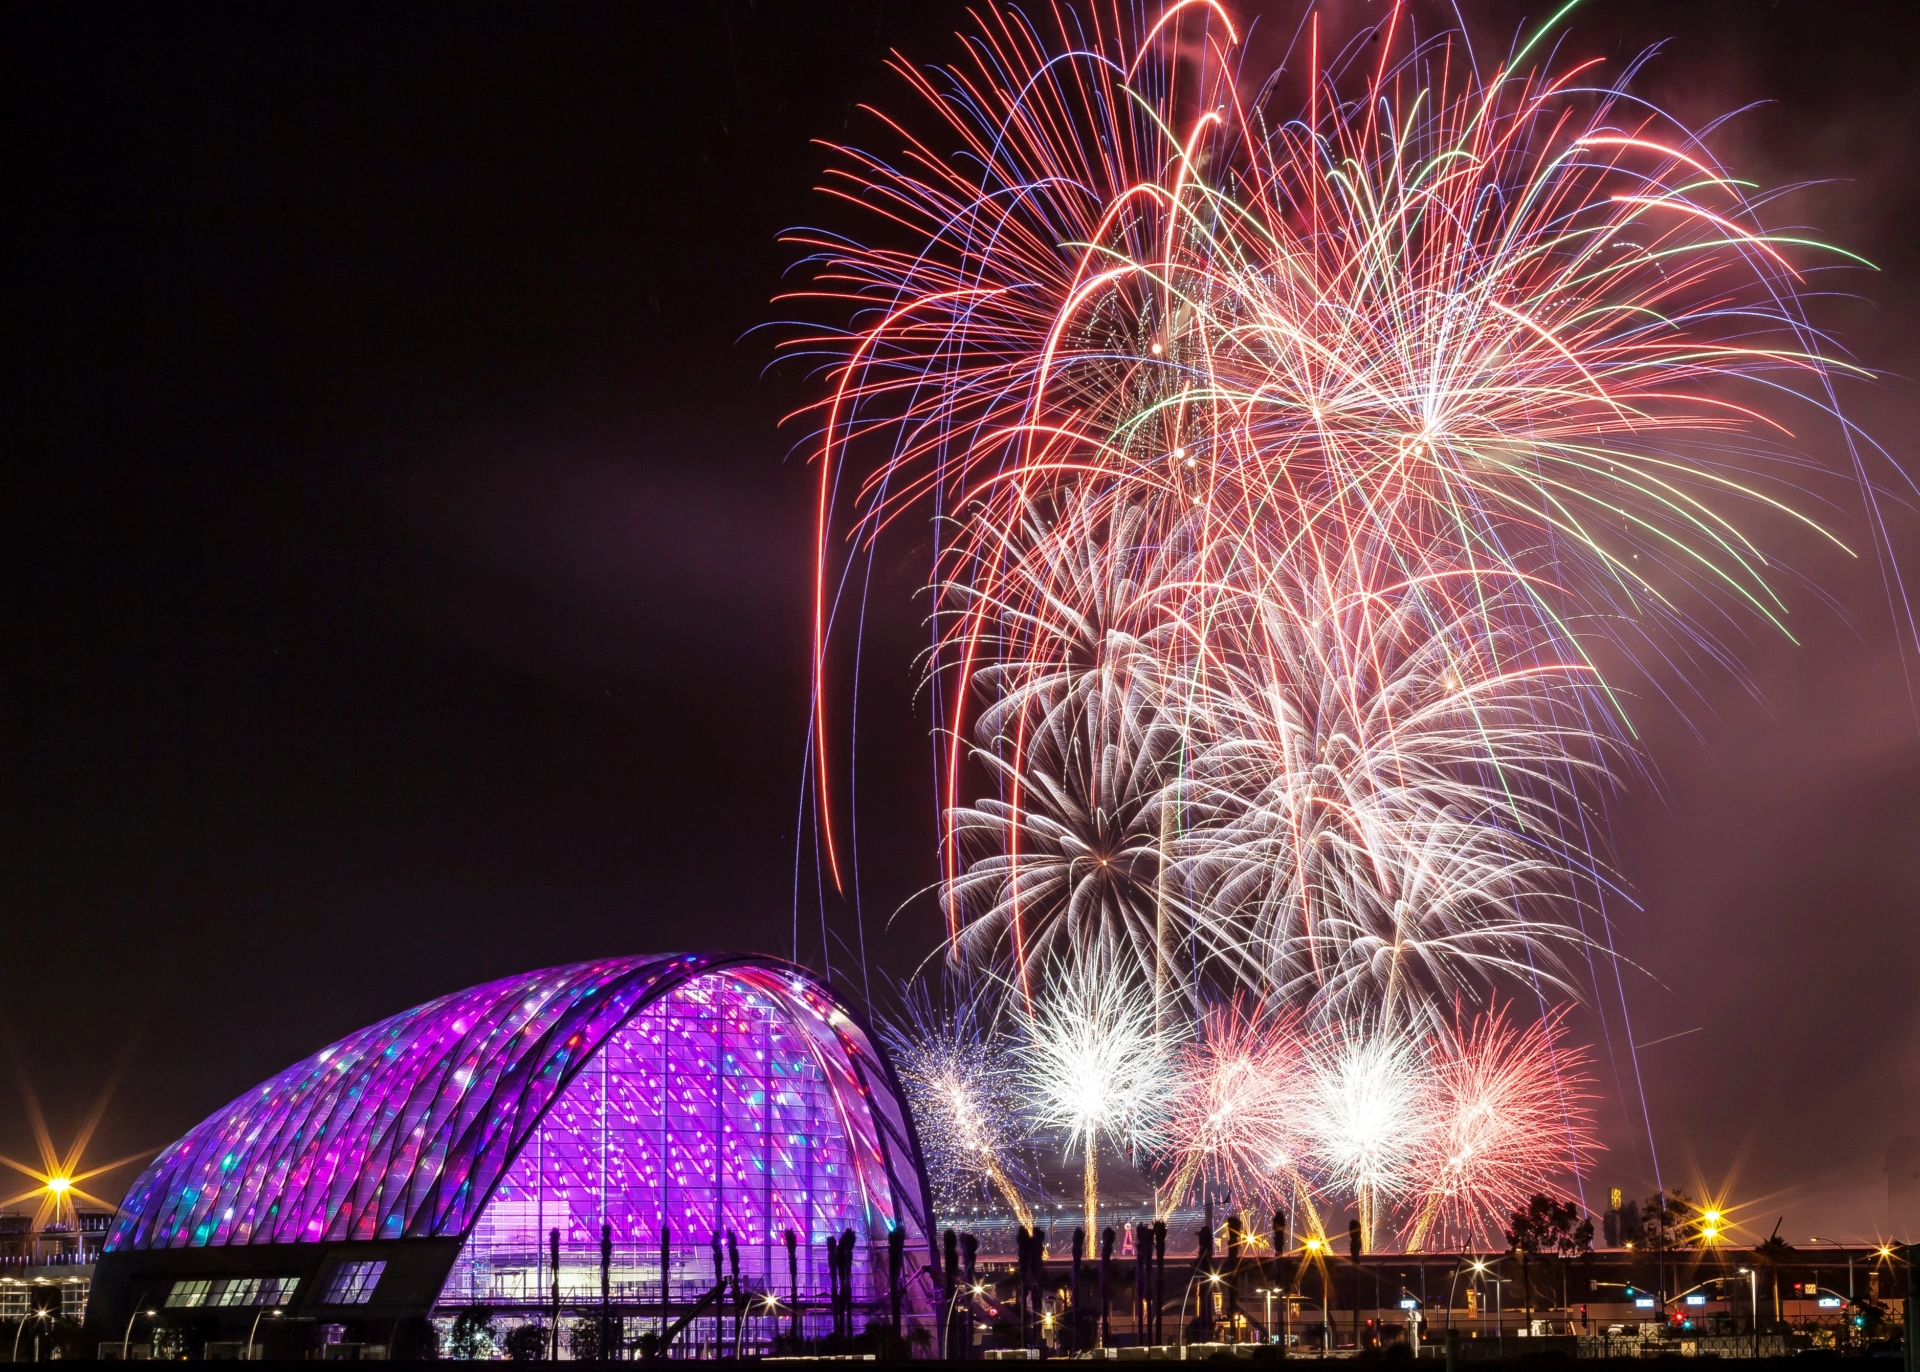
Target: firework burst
[(1097, 1065), (1473, 359), (1511, 1114), (1367, 1117), (1289, 477), (964, 1084), (1066, 861), (1233, 1113)]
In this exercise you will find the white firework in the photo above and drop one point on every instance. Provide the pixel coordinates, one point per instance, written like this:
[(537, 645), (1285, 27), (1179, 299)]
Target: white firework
[(1366, 1118), (1098, 1067), (964, 1083)]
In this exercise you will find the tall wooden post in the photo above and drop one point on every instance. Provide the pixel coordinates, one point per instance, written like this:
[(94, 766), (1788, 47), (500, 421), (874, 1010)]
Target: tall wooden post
[(1106, 1285), (1159, 1281)]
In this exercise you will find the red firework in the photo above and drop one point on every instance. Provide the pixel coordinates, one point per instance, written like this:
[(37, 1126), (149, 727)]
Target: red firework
[(1512, 1114), (1233, 1120)]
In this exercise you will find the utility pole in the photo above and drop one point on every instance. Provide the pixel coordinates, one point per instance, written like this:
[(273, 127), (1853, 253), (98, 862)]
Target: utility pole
[(1354, 1250), (553, 1242), (1913, 1308)]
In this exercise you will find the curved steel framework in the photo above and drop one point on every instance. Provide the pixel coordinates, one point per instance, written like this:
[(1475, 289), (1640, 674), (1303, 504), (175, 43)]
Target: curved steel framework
[(722, 1099)]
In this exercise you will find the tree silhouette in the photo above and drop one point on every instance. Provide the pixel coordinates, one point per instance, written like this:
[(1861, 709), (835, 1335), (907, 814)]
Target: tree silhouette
[(1666, 1221), (1768, 1255), (1547, 1226)]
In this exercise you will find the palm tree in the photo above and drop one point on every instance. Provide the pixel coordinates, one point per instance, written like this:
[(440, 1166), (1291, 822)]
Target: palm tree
[(1769, 1253)]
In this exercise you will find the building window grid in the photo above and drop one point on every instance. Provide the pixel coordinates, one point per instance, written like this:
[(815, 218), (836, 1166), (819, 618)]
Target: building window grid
[(194, 1292), (755, 1146), (188, 1294), (352, 1283)]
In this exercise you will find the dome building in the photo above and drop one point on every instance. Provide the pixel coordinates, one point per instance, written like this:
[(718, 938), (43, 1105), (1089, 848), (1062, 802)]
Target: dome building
[(557, 1143)]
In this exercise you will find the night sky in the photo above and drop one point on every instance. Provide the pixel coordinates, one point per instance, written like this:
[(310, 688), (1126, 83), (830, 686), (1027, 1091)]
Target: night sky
[(405, 575)]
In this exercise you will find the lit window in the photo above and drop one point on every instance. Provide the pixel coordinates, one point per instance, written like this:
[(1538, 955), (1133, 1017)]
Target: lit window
[(189, 1293), (241, 1292), (73, 1300), (353, 1283), (13, 1301)]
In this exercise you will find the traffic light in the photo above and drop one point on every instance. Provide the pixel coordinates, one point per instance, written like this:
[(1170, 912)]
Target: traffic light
[(1632, 1291)]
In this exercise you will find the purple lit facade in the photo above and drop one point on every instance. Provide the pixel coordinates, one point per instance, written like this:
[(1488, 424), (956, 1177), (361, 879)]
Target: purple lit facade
[(715, 1094)]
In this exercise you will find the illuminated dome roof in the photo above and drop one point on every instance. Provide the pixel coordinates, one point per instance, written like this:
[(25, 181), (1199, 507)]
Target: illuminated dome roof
[(407, 1128)]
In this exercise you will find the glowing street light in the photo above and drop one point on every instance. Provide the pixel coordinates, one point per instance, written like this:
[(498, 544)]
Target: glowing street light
[(1848, 1251), (20, 1329), (256, 1329), (127, 1338)]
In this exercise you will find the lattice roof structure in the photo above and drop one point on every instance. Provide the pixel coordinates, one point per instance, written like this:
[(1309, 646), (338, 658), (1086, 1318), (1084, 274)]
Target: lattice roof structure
[(408, 1128)]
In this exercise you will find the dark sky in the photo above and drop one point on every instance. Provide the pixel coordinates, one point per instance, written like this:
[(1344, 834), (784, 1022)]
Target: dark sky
[(404, 577)]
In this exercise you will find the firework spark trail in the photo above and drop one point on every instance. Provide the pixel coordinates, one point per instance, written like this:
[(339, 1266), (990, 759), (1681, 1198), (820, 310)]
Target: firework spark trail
[(1097, 1064), (1232, 1116), (1364, 791), (1511, 1114), (1520, 341), (964, 1084)]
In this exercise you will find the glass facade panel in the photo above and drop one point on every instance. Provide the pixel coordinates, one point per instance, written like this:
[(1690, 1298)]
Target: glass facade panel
[(228, 1291), (352, 1283), (730, 1105), (692, 1095), (189, 1294)]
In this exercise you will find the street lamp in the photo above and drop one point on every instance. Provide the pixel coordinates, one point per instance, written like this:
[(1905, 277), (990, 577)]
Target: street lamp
[(1316, 1246), (1753, 1297), (1849, 1252), (21, 1328), (127, 1338), (256, 1329)]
